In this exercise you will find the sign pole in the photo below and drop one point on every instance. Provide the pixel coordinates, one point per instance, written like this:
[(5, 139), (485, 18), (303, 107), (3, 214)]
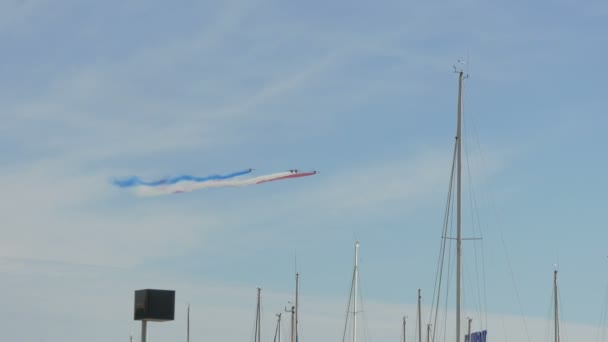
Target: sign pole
[(144, 328)]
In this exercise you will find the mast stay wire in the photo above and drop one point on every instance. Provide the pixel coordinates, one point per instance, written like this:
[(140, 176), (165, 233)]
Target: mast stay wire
[(477, 230), (500, 231), (441, 260)]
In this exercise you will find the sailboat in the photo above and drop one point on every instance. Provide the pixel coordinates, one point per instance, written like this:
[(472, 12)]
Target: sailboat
[(277, 331), (419, 315), (293, 311), (459, 207), (403, 332), (556, 308), (456, 177), (353, 299), (257, 337)]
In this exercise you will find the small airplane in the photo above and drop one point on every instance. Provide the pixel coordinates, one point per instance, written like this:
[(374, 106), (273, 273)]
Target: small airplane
[(298, 171)]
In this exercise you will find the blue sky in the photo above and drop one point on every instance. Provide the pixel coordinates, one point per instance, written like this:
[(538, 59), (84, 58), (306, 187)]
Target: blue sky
[(362, 92)]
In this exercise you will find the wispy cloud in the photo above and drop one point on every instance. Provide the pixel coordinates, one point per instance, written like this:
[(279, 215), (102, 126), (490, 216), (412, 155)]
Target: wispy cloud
[(49, 213), (88, 97), (15, 14), (219, 310)]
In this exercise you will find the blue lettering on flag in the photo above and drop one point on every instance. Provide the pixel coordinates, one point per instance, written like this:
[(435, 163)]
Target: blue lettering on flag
[(479, 336)]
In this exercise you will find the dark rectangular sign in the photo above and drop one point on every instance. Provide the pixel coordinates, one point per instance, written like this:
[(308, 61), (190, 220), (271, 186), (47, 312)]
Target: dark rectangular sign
[(154, 305)]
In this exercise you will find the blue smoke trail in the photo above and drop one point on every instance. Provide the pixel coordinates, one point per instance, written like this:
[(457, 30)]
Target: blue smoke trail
[(135, 181)]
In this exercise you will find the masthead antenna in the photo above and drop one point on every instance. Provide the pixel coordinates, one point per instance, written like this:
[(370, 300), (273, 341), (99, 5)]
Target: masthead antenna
[(459, 67)]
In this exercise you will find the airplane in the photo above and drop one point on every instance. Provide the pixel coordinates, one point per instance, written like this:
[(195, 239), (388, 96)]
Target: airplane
[(298, 171)]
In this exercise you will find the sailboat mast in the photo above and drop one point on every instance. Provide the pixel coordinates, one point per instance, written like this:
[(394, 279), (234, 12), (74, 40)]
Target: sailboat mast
[(257, 317), (419, 316), (188, 324), (293, 318), (292, 323), (458, 206), (277, 332), (355, 285), (297, 295), (555, 303), (404, 317)]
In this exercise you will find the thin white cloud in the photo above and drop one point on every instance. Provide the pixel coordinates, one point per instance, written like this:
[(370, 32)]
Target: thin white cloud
[(48, 213), (60, 208), (407, 180), (220, 311), (16, 14)]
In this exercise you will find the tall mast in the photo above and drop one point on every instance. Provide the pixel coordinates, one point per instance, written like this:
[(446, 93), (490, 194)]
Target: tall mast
[(458, 206), (419, 316), (428, 332), (404, 317), (257, 317), (293, 318), (468, 338), (356, 284), (292, 334), (277, 333), (555, 305), (296, 311), (188, 324)]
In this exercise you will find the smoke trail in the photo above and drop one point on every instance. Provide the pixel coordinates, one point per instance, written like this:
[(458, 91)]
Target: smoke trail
[(136, 181), (183, 184)]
